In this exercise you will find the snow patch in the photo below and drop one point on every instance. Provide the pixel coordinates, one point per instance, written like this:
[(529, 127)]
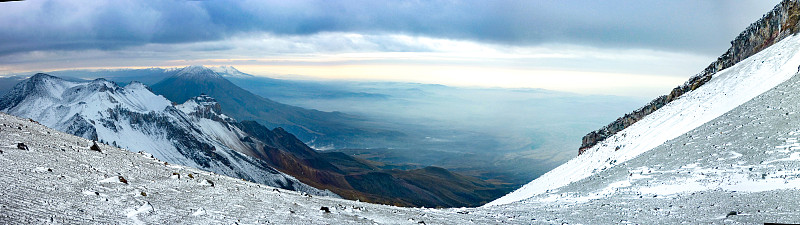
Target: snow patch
[(133, 214)]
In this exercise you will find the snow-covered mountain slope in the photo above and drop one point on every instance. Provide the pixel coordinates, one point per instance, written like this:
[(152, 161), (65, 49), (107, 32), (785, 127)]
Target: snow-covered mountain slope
[(134, 118), (744, 162), (740, 168), (205, 113), (727, 90), (58, 179)]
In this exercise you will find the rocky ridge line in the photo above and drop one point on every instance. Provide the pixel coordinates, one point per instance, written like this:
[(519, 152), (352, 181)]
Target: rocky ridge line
[(774, 26)]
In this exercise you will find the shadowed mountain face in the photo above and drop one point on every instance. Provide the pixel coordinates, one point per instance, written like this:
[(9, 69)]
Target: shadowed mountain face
[(314, 127)]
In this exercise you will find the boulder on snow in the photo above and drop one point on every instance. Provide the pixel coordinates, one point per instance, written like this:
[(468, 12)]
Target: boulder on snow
[(207, 182), (22, 146), (94, 146)]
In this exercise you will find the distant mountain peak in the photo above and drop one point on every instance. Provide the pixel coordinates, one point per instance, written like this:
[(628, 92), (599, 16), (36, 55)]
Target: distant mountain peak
[(198, 72), (40, 76), (229, 71)]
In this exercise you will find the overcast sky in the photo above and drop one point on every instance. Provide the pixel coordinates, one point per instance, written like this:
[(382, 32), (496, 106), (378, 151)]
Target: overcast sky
[(635, 47)]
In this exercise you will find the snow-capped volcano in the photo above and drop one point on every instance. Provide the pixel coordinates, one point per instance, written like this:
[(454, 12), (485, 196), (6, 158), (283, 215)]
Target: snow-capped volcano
[(134, 118), (197, 72)]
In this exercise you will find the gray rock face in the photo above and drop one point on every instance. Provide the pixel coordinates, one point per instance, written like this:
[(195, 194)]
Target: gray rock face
[(779, 23)]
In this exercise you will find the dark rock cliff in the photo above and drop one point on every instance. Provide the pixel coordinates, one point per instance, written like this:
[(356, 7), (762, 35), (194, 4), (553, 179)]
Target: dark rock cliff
[(779, 23)]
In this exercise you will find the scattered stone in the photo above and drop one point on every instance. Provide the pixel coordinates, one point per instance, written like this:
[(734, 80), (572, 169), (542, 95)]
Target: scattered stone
[(190, 176), (325, 209), (22, 146), (144, 194), (95, 147)]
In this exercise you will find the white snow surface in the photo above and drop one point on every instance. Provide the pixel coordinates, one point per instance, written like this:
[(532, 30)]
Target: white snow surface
[(725, 91)]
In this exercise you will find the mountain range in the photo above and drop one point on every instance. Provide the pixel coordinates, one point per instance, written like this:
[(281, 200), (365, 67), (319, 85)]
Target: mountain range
[(315, 127), (481, 132), (133, 117), (197, 133)]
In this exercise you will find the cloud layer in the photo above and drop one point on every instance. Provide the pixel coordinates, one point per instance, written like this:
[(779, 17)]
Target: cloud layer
[(681, 25)]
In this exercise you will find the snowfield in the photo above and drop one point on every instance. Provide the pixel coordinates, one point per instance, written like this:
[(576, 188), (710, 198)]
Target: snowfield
[(726, 90)]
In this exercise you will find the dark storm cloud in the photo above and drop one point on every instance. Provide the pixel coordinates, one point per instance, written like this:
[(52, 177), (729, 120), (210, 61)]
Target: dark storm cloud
[(683, 25)]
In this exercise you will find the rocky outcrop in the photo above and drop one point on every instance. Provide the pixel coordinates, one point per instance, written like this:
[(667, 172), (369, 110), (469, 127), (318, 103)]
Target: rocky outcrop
[(779, 23)]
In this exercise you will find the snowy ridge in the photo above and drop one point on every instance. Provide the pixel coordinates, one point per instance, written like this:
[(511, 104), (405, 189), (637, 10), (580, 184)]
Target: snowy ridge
[(727, 90), (207, 117), (136, 119)]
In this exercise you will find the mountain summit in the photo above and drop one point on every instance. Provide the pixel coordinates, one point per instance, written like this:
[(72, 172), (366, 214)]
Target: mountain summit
[(197, 72)]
